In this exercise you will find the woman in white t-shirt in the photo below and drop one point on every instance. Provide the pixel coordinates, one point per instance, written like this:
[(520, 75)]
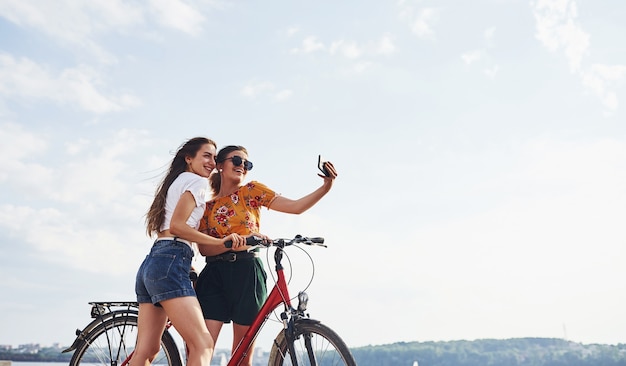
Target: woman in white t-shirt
[(163, 287)]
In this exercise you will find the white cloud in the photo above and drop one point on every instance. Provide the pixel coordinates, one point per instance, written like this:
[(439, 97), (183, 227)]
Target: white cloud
[(24, 78), (354, 52), (178, 15), (599, 79), (265, 89), (471, 56), (362, 66), (420, 21), (283, 95), (309, 45), (489, 35), (557, 30), (347, 49), (291, 31), (77, 147), (79, 23), (88, 167), (483, 55), (609, 72), (255, 89), (492, 71), (74, 22), (422, 25), (74, 205), (18, 149), (385, 45), (61, 236)]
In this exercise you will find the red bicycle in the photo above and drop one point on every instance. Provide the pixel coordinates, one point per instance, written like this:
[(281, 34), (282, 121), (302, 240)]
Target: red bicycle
[(109, 339)]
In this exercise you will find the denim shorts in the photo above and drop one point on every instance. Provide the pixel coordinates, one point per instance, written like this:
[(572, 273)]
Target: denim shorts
[(164, 274)]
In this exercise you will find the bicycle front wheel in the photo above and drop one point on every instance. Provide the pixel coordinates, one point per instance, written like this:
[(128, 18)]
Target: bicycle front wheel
[(112, 342), (314, 344)]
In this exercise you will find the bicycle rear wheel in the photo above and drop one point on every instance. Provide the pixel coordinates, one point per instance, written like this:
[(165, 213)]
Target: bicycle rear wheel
[(314, 344), (112, 342)]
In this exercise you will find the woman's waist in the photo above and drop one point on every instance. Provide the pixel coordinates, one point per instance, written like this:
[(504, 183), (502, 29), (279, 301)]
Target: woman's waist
[(162, 241), (232, 256)]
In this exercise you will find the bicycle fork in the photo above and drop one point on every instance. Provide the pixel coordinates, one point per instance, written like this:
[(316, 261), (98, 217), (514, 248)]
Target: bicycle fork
[(291, 330)]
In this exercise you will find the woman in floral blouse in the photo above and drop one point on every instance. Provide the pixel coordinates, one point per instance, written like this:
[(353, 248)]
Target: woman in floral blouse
[(232, 286)]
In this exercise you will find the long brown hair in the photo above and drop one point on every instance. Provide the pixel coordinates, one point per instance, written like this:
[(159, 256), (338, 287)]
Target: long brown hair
[(156, 213), (215, 179)]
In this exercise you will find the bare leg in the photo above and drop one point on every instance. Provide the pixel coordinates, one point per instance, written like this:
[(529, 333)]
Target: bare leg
[(186, 316), (150, 326), (238, 332), (214, 327)]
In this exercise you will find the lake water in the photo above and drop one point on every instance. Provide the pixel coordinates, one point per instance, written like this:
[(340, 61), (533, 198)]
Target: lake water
[(16, 363), (218, 360)]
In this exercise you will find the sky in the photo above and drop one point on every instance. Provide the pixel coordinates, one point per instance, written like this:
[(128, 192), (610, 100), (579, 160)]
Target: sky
[(480, 146)]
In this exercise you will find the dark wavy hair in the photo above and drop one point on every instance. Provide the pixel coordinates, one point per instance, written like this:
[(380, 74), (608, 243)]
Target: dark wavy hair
[(156, 213), (215, 179)]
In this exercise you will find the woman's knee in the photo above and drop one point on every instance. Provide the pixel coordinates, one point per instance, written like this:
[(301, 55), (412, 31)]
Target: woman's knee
[(201, 342), (145, 352)]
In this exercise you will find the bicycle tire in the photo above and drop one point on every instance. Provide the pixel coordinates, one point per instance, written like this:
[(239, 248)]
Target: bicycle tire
[(110, 344), (326, 346)]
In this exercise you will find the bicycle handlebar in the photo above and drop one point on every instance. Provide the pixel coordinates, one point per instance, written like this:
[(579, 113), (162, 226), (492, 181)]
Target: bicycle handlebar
[(256, 241), (251, 240)]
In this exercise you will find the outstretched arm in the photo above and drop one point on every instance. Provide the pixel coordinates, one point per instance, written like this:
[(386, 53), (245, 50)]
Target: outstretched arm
[(300, 205)]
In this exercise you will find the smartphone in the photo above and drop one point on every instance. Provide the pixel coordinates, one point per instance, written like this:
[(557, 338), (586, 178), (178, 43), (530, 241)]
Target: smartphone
[(321, 167)]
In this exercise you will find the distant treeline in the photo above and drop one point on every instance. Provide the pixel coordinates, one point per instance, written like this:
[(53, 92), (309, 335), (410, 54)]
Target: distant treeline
[(492, 352), (45, 354)]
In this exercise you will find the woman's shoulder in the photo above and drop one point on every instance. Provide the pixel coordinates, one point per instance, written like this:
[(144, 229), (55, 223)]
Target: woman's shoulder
[(185, 178), (257, 188), (189, 176), (254, 185), (190, 181)]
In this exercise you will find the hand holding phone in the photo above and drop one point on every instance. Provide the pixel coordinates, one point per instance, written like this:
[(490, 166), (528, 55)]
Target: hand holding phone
[(321, 167)]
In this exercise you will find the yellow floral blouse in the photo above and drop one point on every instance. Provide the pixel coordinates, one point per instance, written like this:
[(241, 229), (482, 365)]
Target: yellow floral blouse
[(238, 213)]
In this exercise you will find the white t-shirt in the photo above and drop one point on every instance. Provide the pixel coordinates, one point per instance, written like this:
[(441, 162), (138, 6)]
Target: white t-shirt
[(199, 188)]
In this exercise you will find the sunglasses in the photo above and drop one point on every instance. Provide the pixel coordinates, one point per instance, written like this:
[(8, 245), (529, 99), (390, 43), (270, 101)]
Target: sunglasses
[(237, 161)]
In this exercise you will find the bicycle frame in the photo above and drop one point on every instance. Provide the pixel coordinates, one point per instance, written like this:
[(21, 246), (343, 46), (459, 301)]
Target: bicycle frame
[(278, 295)]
